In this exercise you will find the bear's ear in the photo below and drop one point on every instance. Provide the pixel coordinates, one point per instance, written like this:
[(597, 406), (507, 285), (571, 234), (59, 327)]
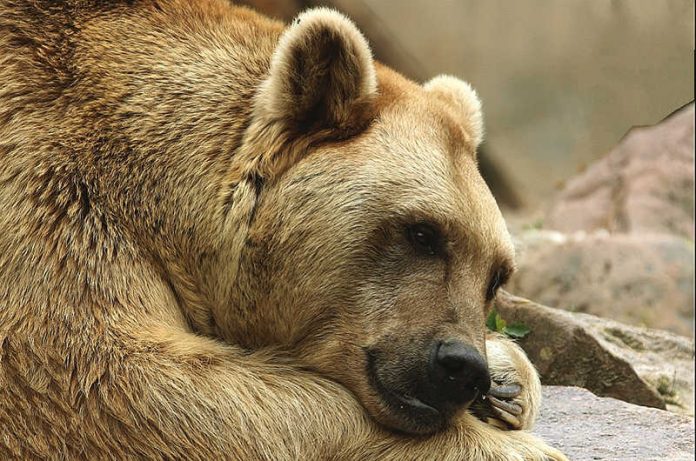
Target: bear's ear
[(320, 86), (462, 97), (321, 69)]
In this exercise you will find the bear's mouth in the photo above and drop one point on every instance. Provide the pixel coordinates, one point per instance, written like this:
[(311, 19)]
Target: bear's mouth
[(410, 414)]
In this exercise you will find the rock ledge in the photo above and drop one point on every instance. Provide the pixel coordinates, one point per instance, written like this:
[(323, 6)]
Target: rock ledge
[(586, 427)]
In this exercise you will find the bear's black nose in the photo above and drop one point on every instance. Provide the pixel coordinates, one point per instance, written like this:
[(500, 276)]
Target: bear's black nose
[(458, 373)]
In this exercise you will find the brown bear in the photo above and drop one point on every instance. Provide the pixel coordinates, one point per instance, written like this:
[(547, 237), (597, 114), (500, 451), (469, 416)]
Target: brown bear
[(223, 238)]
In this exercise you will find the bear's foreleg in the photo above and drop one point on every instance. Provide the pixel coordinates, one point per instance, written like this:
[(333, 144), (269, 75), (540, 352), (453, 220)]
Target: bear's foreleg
[(195, 398), (166, 393)]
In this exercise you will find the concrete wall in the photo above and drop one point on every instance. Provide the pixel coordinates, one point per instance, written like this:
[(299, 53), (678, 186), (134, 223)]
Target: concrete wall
[(561, 80)]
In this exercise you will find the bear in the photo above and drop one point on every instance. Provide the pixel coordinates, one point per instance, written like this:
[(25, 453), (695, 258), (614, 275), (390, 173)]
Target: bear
[(224, 237)]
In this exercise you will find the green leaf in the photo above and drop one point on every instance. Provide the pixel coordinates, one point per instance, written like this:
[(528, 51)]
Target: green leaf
[(516, 330), (500, 324), (495, 322), (490, 320)]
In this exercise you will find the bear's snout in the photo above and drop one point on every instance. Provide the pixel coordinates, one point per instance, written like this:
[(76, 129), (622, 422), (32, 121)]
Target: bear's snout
[(423, 387), (457, 372)]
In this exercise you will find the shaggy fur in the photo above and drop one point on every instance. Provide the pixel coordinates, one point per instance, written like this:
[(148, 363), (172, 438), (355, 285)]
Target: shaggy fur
[(201, 235)]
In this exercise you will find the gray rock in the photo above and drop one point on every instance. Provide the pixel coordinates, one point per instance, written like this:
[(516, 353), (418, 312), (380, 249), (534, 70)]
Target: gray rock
[(586, 427), (638, 365)]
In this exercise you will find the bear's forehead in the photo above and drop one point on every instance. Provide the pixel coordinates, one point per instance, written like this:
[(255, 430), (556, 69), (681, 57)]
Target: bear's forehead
[(412, 109), (422, 143), (413, 171), (424, 164)]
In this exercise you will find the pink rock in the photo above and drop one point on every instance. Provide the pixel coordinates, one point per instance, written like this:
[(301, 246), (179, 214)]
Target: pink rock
[(645, 184), (640, 279)]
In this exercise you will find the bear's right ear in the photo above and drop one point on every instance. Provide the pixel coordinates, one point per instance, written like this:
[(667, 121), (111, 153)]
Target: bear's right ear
[(321, 85), (463, 98)]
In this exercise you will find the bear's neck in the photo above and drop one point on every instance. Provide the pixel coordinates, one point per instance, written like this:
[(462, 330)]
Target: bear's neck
[(141, 138), (183, 114)]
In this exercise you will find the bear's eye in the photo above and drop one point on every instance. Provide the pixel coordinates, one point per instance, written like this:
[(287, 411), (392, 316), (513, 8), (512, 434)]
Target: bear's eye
[(424, 238), (500, 276)]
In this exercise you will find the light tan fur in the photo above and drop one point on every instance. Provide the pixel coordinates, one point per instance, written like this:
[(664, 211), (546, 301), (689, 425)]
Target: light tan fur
[(200, 238), (464, 98), (509, 365)]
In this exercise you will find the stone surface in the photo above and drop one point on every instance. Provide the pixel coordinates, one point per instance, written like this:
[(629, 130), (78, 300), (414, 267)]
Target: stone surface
[(588, 428), (642, 366), (640, 279), (645, 184)]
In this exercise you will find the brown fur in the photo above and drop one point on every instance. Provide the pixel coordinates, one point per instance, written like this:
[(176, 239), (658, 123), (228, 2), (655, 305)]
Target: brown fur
[(200, 238)]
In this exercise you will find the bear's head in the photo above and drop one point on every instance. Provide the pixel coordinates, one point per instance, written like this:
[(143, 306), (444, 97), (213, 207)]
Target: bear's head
[(363, 239)]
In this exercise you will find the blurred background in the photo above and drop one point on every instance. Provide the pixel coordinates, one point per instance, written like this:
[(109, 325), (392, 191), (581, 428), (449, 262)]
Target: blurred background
[(603, 214), (561, 81)]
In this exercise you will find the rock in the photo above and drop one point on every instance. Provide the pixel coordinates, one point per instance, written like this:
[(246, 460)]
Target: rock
[(618, 241), (647, 367), (645, 184), (640, 279), (586, 427)]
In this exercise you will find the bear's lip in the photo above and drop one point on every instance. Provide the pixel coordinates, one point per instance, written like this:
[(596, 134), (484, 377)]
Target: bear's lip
[(416, 416)]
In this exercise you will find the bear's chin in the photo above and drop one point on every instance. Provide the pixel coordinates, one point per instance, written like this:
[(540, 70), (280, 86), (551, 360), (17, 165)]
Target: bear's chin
[(411, 416)]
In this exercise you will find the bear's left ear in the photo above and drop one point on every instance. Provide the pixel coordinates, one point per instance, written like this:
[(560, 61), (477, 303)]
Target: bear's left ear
[(320, 86), (462, 97), (321, 69)]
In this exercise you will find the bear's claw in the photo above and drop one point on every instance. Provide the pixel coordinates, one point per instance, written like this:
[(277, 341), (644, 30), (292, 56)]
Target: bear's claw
[(508, 391), (509, 407)]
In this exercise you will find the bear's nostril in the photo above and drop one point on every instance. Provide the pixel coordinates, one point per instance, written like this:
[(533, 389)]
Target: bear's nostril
[(458, 372)]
